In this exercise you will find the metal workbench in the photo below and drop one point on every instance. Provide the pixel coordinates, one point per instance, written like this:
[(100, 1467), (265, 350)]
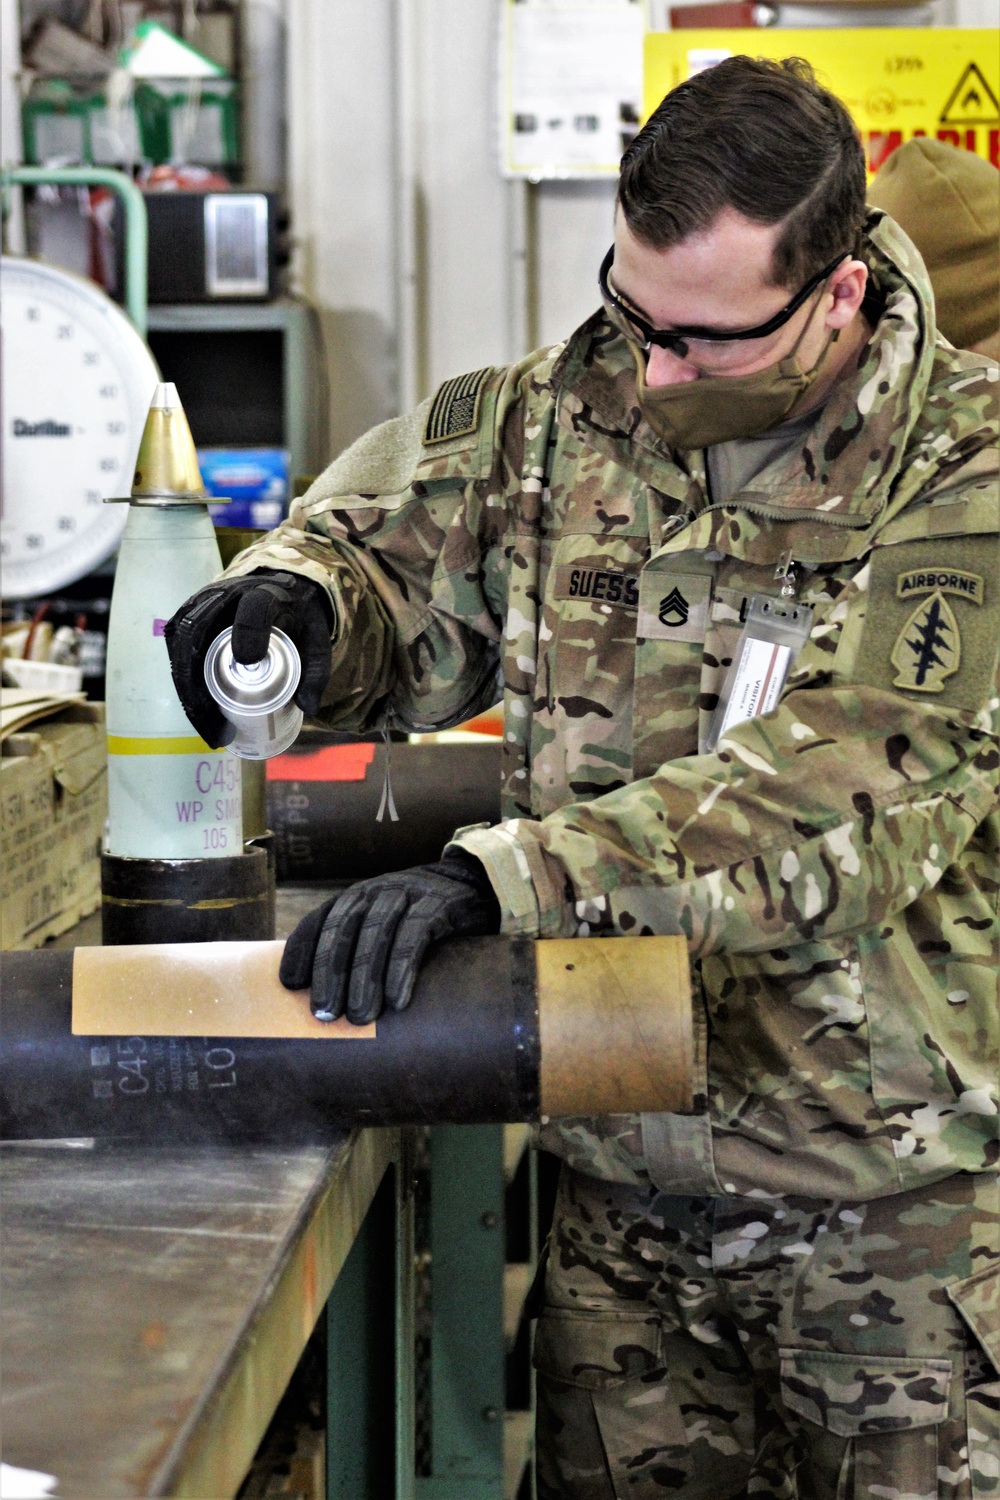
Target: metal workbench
[(154, 1304)]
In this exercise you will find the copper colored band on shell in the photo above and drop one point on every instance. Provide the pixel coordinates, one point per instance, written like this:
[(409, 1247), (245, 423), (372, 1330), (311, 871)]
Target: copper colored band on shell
[(615, 1026)]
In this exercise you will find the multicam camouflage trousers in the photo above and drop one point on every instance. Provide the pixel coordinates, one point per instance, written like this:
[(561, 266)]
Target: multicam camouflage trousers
[(706, 1347)]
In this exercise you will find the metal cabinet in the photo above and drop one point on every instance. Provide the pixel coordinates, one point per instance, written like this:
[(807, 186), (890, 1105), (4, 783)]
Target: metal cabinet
[(251, 375)]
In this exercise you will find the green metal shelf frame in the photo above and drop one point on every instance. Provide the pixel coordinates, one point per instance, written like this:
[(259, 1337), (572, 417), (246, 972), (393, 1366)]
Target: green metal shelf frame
[(136, 222), (370, 1349), (478, 1450)]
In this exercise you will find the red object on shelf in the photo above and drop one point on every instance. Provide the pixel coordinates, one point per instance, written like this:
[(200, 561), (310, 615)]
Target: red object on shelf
[(491, 722), (330, 763), (725, 13)]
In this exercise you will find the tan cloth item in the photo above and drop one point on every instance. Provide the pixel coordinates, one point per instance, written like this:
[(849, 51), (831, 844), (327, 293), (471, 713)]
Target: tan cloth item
[(948, 202)]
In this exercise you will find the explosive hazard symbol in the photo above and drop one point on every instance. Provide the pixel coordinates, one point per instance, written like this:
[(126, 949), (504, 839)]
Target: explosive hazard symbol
[(928, 649), (971, 101)]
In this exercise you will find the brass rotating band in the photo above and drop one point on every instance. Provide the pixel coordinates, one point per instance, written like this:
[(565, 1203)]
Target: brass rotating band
[(615, 1025)]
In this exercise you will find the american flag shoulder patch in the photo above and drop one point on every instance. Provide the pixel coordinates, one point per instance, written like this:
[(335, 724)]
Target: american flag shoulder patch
[(454, 411)]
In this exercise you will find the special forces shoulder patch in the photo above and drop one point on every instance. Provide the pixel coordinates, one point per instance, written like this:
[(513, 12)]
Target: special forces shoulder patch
[(933, 626), (928, 649), (454, 410)]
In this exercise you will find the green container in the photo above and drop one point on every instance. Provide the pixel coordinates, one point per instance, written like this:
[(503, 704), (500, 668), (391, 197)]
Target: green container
[(73, 122), (197, 123), (55, 121)]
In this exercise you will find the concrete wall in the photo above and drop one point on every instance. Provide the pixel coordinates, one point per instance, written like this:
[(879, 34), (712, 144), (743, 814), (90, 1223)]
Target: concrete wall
[(422, 260), (342, 180)]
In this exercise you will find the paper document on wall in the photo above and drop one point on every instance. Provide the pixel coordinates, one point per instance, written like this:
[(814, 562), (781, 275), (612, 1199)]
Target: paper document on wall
[(571, 88)]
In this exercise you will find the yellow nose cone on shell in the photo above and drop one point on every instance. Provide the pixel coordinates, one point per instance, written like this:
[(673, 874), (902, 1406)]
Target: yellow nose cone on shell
[(167, 464)]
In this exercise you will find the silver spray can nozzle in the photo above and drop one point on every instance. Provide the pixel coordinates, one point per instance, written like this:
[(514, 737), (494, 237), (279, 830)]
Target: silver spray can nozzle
[(257, 698)]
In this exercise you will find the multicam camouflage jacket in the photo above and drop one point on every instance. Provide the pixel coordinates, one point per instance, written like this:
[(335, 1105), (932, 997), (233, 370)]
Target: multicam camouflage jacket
[(833, 864)]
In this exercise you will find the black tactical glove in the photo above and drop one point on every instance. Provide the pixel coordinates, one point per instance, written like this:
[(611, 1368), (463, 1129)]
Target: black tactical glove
[(251, 605), (362, 950)]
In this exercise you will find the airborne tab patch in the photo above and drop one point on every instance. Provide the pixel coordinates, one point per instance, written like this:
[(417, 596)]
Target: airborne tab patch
[(944, 580), (454, 411)]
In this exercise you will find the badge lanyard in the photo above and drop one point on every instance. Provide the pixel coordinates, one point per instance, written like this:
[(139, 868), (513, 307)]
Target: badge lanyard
[(772, 637)]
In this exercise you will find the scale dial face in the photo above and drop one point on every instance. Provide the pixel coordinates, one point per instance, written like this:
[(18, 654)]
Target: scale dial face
[(77, 382)]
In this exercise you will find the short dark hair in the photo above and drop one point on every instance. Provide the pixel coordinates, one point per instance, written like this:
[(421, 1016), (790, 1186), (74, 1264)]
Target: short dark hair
[(758, 136)]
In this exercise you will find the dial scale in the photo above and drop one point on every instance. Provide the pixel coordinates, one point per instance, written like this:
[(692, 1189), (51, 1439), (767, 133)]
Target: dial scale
[(76, 385)]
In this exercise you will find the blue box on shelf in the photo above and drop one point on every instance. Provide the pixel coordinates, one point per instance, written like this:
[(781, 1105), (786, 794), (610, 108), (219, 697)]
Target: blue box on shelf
[(254, 479)]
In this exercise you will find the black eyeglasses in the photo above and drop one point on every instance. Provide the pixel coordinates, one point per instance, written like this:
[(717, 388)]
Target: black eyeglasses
[(676, 339)]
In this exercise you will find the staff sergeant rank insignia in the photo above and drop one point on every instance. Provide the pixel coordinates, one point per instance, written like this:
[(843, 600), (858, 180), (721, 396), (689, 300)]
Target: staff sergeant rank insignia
[(674, 609), (928, 649)]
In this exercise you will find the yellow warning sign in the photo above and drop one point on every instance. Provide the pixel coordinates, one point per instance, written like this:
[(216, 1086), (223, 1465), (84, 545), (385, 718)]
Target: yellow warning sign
[(897, 82)]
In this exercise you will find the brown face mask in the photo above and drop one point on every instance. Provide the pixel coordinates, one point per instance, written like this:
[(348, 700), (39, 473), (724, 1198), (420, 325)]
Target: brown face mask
[(721, 408)]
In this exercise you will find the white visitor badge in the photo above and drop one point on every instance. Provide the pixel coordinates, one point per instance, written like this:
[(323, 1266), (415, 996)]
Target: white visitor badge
[(760, 676), (771, 639)]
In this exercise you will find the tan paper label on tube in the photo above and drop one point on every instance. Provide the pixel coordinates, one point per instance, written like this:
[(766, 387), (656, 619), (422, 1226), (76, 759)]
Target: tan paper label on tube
[(194, 989)]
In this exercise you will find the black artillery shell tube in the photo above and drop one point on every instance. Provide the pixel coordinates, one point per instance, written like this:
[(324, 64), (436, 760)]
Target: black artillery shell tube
[(326, 829), (228, 899), (499, 1029), (466, 1051)]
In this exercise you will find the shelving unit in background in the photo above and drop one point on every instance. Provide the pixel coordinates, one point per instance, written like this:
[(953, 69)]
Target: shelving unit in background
[(250, 375)]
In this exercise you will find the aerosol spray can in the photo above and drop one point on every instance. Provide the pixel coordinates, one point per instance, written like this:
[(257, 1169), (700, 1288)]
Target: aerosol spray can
[(256, 698)]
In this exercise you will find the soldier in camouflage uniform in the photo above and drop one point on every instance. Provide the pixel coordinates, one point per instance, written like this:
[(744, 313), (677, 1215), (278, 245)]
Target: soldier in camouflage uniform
[(793, 1290)]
